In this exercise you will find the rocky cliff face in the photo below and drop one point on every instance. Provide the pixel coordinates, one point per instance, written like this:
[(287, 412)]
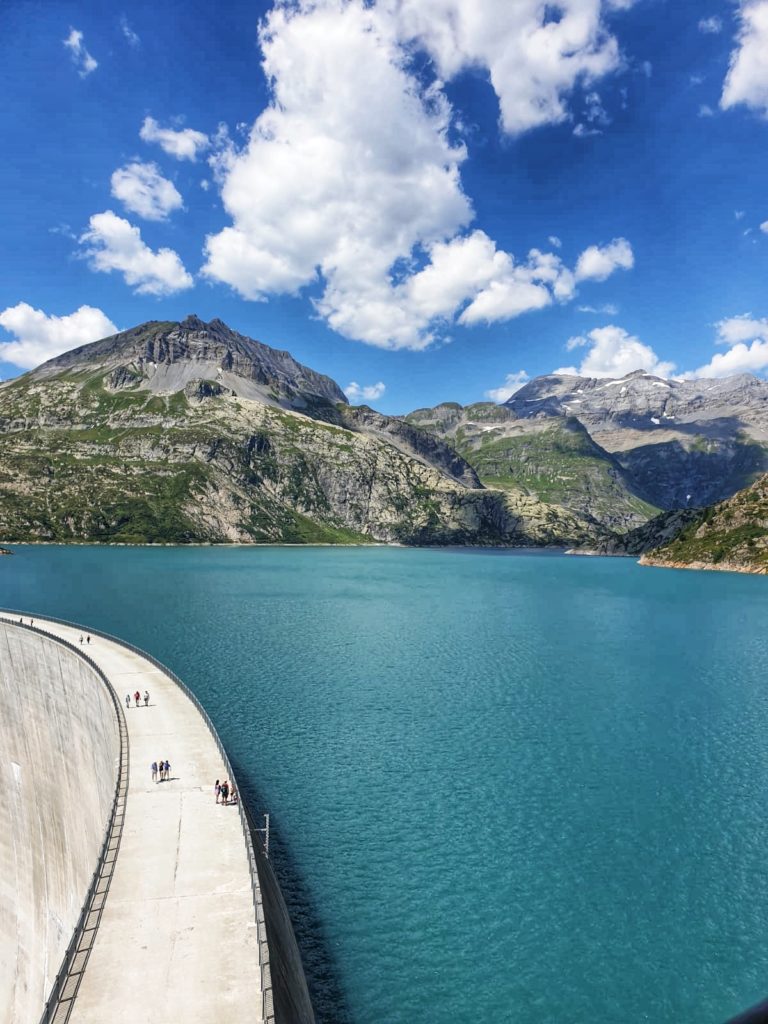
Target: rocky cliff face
[(680, 443), (162, 357), (191, 432), (550, 457), (731, 535)]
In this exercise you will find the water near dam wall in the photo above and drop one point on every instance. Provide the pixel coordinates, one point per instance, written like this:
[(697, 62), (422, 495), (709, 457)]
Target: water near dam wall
[(59, 748)]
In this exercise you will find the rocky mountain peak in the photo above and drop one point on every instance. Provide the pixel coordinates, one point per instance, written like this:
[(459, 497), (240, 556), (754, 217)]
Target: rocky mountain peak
[(165, 357), (192, 322), (642, 401)]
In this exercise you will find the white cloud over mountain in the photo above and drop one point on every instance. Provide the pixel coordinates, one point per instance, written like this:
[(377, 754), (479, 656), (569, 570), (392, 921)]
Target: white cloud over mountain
[(747, 78), (142, 189), (38, 336), (364, 392), (613, 352), (351, 182), (82, 60), (181, 143), (113, 243), (747, 341), (512, 383)]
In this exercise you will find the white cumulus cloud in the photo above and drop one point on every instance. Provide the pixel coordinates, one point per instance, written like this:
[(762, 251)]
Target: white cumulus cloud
[(364, 392), (82, 60), (181, 143), (512, 383), (608, 309), (711, 26), (613, 352), (747, 78), (533, 60), (128, 32), (142, 189), (746, 339), (113, 243), (350, 178), (598, 262), (38, 336)]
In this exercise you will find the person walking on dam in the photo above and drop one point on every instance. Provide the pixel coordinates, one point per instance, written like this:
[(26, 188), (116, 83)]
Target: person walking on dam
[(127, 696), (167, 769), (154, 772), (146, 698), (137, 698), (217, 790)]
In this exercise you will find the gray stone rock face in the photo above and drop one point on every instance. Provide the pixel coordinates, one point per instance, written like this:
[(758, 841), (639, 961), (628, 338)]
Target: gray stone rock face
[(177, 432), (550, 456), (639, 399), (413, 440), (199, 390), (164, 357), (682, 443)]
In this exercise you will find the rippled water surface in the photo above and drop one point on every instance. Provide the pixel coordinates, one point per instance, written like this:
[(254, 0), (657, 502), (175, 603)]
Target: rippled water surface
[(504, 787)]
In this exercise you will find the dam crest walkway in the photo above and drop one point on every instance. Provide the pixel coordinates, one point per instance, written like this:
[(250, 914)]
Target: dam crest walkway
[(178, 939)]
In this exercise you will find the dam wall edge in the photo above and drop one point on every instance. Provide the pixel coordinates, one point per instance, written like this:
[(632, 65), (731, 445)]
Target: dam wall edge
[(69, 971), (285, 995)]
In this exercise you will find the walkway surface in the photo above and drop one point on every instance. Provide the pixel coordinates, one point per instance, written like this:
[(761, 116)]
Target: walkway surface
[(177, 940)]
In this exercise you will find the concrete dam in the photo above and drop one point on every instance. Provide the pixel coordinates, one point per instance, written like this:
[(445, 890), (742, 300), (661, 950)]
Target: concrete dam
[(123, 896)]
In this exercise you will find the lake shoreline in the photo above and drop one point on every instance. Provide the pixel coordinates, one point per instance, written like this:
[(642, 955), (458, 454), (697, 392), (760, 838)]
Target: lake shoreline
[(529, 550)]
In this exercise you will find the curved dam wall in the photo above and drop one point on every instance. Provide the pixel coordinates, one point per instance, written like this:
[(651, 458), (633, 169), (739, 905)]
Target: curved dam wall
[(59, 747)]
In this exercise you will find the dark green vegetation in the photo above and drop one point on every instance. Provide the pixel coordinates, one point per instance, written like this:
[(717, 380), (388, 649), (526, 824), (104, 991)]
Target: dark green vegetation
[(553, 460), (732, 534), (560, 464)]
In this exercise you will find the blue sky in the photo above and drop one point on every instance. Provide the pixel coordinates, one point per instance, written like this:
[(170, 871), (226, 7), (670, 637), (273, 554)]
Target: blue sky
[(434, 199)]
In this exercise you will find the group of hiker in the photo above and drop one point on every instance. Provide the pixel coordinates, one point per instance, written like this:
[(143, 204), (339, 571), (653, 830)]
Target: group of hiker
[(225, 792), (163, 768), (137, 698)]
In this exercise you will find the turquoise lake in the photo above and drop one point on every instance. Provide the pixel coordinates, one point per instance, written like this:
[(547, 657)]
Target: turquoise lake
[(504, 787)]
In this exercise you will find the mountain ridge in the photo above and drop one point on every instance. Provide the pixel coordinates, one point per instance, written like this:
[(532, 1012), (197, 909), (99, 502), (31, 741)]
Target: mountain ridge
[(182, 431), (165, 355)]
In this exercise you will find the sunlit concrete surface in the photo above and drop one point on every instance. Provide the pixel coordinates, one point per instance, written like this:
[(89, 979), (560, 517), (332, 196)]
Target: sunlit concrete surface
[(59, 747), (177, 940)]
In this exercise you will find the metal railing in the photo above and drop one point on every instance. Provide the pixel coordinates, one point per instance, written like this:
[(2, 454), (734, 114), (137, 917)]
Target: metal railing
[(63, 992), (267, 1000)]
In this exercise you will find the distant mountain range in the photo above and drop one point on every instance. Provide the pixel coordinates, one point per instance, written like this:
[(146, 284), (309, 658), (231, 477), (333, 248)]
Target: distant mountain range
[(666, 444), (179, 432), (182, 432)]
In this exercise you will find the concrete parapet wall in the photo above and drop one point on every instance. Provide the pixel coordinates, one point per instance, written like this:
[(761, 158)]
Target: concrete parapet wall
[(59, 751)]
